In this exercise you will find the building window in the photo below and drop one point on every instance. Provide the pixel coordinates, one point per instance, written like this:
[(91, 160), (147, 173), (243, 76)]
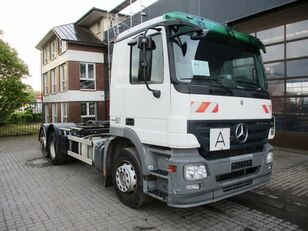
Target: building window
[(157, 70), (45, 81), (274, 70), (64, 114), (297, 87), (45, 56), (87, 76), (53, 49), (63, 46), (286, 68), (88, 111), (54, 112), (297, 49), (46, 110), (298, 67), (297, 30), (53, 80), (276, 87), (275, 52), (62, 78), (272, 35)]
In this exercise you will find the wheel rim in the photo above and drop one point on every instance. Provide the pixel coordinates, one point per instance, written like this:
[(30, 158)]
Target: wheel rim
[(43, 141), (52, 149), (126, 178)]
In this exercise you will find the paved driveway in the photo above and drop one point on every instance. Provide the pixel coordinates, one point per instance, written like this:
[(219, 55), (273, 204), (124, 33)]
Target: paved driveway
[(35, 195)]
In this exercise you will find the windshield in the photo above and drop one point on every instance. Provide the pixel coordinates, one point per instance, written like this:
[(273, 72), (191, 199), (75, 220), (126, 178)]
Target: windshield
[(228, 65)]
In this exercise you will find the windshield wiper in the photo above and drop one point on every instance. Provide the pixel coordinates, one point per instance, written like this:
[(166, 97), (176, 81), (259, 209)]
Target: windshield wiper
[(259, 88), (212, 80), (220, 84)]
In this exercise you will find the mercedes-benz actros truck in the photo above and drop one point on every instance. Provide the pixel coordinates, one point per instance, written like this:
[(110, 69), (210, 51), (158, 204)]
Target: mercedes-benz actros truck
[(190, 115)]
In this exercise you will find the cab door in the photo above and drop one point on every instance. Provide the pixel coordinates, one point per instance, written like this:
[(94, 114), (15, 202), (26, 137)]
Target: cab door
[(145, 114)]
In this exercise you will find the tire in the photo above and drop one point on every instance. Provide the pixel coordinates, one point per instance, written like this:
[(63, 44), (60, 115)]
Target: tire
[(55, 156), (43, 143), (126, 162)]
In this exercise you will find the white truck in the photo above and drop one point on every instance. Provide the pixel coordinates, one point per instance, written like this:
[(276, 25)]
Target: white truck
[(190, 115)]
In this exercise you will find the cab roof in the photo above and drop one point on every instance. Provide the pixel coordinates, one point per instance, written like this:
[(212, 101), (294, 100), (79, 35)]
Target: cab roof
[(202, 23)]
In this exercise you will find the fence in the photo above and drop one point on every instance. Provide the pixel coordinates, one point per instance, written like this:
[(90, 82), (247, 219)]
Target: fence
[(24, 120)]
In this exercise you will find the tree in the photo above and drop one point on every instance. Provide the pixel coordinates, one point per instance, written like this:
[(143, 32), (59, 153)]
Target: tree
[(32, 94), (10, 64), (12, 91)]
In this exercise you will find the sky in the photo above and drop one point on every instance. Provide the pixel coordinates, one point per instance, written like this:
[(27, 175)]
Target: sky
[(25, 22)]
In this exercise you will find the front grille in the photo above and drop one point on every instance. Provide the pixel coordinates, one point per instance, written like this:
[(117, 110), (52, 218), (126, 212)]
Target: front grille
[(257, 136), (238, 185), (236, 174)]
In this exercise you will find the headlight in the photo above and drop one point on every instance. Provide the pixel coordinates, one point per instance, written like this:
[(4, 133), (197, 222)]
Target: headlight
[(271, 133), (269, 157), (195, 172)]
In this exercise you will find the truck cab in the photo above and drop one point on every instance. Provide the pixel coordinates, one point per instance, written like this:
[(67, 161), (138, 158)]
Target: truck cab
[(213, 112), (190, 115)]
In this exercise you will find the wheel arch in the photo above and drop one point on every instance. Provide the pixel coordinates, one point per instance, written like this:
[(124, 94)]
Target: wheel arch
[(124, 137), (49, 128)]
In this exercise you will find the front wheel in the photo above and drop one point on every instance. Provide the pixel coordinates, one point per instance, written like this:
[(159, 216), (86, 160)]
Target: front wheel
[(127, 178)]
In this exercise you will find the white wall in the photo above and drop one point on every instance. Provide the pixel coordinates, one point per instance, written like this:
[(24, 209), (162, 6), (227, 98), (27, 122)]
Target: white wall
[(74, 55), (74, 95)]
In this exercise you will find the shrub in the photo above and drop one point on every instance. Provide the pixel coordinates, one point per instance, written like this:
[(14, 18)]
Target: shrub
[(37, 117), (15, 118), (26, 117)]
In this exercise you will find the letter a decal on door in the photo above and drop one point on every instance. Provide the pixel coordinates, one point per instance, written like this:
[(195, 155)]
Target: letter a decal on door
[(220, 139)]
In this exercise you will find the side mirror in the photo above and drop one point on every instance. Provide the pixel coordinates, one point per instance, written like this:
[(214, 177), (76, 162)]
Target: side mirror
[(146, 46), (146, 42), (145, 65)]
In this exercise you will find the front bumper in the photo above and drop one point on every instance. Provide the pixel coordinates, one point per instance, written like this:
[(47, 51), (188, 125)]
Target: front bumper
[(222, 181)]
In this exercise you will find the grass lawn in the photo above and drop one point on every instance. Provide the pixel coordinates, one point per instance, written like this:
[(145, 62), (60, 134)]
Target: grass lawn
[(19, 129)]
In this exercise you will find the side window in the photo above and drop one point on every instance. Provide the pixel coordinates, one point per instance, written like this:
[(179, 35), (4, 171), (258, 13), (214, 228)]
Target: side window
[(134, 65), (157, 70)]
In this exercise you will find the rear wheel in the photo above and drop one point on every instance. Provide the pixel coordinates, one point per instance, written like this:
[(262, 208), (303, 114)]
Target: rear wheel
[(55, 155), (43, 142), (127, 178)]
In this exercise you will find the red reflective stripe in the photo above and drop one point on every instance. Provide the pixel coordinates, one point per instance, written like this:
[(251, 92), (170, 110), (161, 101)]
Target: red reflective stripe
[(203, 107), (215, 110), (265, 108)]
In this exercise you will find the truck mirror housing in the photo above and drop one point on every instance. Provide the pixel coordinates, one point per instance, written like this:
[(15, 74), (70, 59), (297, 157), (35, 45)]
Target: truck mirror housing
[(146, 42), (146, 46), (145, 65)]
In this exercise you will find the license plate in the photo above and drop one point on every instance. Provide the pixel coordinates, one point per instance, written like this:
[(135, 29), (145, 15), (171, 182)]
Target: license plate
[(241, 164), (219, 139)]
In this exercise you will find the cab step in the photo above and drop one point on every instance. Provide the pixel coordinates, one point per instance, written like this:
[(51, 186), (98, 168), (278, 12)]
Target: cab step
[(160, 173), (162, 196)]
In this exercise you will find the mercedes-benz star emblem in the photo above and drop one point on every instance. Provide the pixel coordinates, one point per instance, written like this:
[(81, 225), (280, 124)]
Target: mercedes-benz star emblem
[(241, 133)]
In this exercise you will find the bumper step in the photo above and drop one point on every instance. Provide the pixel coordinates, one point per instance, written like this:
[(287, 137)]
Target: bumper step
[(162, 196), (160, 173)]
